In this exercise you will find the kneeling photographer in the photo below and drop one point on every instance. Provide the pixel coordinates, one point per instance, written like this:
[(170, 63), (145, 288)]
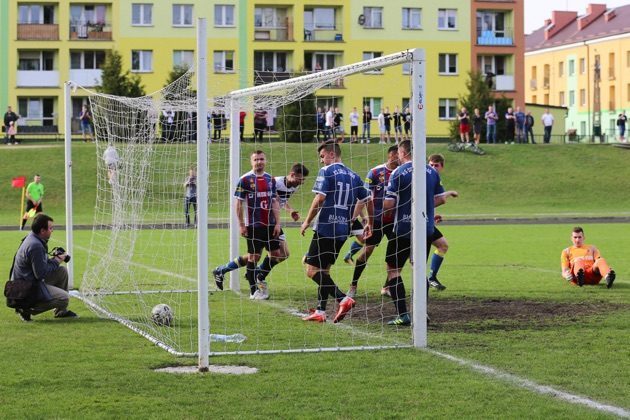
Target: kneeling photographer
[(47, 280)]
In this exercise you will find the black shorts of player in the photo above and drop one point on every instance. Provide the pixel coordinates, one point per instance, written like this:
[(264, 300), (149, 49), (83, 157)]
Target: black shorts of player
[(356, 228), (434, 237), (398, 251), (378, 233), (323, 252), (30, 205), (259, 238), (354, 130)]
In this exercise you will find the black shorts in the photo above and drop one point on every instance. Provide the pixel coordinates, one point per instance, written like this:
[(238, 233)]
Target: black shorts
[(435, 236), (354, 130), (259, 238), (379, 232), (356, 228), (30, 205), (323, 252), (398, 251)]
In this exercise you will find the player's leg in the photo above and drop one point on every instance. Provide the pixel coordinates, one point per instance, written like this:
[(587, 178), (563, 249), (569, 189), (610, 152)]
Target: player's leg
[(187, 210), (29, 207), (220, 272), (398, 252), (359, 266), (578, 270), (602, 270), (439, 241), (274, 257)]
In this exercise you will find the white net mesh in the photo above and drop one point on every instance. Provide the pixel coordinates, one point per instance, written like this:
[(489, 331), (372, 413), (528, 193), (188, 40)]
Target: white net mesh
[(142, 250)]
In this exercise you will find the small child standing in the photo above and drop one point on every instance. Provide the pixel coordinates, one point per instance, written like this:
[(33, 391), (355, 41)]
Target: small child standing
[(12, 132)]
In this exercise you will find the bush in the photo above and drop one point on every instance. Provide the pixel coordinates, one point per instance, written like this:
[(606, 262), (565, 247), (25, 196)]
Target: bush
[(296, 122)]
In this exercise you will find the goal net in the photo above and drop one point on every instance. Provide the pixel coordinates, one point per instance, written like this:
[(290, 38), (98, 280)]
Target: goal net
[(142, 250)]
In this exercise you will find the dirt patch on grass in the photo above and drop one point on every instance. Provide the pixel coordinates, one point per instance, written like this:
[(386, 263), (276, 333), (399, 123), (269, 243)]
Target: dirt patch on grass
[(473, 314)]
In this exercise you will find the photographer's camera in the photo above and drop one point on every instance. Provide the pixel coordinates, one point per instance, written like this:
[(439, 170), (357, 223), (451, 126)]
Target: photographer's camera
[(60, 251)]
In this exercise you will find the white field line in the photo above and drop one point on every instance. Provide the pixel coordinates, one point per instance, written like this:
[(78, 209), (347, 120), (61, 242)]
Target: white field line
[(486, 370), (533, 386)]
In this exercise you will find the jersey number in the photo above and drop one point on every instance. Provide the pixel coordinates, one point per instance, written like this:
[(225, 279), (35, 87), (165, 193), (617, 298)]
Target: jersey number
[(342, 195)]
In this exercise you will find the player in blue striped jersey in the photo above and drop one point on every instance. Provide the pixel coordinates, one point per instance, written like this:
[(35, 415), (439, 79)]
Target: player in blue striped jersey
[(340, 197), (398, 198)]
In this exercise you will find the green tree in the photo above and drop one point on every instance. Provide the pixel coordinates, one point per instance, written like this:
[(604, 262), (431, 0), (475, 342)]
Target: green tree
[(116, 82), (296, 122), (479, 95)]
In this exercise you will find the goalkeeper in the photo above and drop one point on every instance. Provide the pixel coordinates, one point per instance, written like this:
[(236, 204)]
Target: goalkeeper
[(286, 186), (582, 264)]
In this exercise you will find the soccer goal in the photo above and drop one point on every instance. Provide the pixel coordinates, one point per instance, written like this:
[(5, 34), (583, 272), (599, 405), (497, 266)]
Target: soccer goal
[(143, 248)]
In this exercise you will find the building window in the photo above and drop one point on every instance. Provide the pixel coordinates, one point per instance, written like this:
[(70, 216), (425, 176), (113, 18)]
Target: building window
[(582, 97), (320, 18), (583, 128), (571, 67), (561, 69), (561, 98), (224, 61), (373, 17), (369, 55), (318, 61), (582, 65), (87, 60), (448, 109), (183, 58), (411, 18), (374, 104), (448, 63), (36, 14), (571, 98), (36, 60), (141, 14), (270, 61), (269, 17), (447, 18), (223, 15), (182, 15), (37, 110), (141, 60)]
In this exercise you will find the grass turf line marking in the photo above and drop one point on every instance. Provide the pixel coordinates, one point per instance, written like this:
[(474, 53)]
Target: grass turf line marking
[(533, 386)]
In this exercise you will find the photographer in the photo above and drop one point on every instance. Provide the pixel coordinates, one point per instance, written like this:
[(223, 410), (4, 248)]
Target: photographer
[(50, 280)]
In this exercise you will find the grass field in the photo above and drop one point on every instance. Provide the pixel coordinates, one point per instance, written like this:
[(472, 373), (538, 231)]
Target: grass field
[(505, 308)]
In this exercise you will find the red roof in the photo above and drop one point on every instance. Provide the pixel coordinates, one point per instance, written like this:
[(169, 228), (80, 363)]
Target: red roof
[(599, 28)]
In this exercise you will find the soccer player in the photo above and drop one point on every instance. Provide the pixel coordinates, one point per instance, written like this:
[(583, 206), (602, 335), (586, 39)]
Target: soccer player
[(34, 197), (437, 239), (340, 197), (376, 181), (286, 186), (398, 198), (256, 197), (582, 264)]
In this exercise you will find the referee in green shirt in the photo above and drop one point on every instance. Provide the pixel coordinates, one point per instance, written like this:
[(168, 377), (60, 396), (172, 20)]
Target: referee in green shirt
[(34, 196)]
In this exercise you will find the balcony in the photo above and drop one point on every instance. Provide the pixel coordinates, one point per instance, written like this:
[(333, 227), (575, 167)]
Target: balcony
[(533, 84), (37, 32), (496, 37), (86, 77), (37, 78), (323, 35), (101, 31), (264, 77)]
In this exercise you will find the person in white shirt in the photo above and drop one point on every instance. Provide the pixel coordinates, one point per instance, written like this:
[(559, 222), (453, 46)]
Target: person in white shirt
[(381, 126), (329, 124), (547, 121), (111, 158), (354, 125)]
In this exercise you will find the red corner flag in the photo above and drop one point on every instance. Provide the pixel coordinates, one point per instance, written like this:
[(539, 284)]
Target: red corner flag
[(18, 182)]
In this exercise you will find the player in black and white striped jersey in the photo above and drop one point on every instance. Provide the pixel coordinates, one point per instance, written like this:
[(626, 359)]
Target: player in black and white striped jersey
[(286, 186)]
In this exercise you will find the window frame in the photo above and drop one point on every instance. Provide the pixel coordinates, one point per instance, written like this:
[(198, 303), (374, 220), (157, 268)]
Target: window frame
[(408, 12), (220, 10), (82, 54), (183, 59), (445, 15), (275, 57), (223, 68), (371, 13), (181, 16), (369, 55), (142, 11), (447, 65), (448, 107), (141, 61)]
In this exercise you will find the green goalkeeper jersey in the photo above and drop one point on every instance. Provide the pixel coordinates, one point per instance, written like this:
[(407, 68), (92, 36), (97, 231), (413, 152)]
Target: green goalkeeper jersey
[(35, 190)]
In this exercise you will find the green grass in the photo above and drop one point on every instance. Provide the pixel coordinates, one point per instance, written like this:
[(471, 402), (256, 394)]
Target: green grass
[(90, 367)]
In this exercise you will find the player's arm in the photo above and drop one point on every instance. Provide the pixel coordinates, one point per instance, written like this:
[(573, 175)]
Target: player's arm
[(275, 210), (239, 217), (295, 215), (565, 264), (316, 205)]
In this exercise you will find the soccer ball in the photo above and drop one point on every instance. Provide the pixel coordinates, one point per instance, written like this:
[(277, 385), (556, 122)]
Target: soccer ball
[(162, 315)]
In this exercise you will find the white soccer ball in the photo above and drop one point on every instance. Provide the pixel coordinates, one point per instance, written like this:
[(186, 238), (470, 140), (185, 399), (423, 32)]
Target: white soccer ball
[(162, 315)]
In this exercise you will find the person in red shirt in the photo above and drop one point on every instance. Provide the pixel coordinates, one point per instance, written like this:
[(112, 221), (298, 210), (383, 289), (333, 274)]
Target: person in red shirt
[(582, 264)]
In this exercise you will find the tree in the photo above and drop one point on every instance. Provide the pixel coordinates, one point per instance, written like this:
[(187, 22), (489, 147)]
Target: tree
[(296, 121), (115, 82), (480, 96)]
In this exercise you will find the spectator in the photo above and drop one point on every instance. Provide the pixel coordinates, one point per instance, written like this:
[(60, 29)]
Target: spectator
[(477, 123), (367, 120), (547, 121), (168, 125), (190, 196), (11, 132), (9, 117), (387, 117), (520, 125), (217, 122), (354, 126), (464, 125), (241, 123), (529, 127), (337, 127), (111, 158), (86, 123), (381, 126), (407, 123), (398, 122), (510, 123), (321, 124), (491, 125), (260, 124), (621, 123)]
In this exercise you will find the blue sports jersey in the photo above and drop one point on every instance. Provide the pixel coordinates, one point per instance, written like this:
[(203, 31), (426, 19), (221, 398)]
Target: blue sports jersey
[(343, 188), (258, 193), (399, 189), (376, 181)]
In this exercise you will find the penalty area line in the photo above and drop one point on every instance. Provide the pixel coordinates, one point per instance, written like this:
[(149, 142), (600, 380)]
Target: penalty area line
[(533, 386)]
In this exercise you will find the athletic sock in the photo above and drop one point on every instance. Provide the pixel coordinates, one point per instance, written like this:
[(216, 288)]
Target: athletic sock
[(322, 291), (397, 291), (358, 270), (266, 266), (23, 223), (251, 267), (436, 262), (233, 265)]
